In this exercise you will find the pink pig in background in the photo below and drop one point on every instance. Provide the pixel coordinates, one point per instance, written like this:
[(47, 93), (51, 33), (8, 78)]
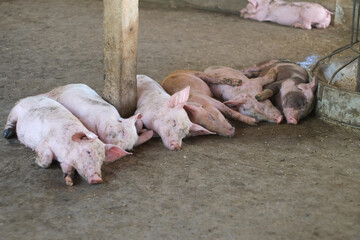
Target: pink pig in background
[(295, 14), (47, 127), (164, 113)]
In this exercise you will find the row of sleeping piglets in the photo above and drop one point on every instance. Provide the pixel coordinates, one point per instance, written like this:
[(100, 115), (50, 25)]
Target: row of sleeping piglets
[(296, 14), (75, 126), (263, 92)]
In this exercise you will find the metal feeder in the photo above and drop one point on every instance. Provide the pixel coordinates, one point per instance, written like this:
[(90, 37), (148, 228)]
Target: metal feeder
[(335, 103)]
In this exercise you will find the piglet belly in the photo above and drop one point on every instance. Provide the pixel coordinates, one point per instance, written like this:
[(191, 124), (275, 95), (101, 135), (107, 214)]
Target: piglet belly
[(31, 133), (286, 15), (223, 92)]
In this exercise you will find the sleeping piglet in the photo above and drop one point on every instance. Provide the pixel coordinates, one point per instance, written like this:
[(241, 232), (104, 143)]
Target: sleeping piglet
[(164, 113), (295, 14), (99, 116), (47, 127), (291, 93)]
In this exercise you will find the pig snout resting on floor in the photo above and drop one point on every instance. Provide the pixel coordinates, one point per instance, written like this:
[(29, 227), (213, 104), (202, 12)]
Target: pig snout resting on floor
[(164, 113), (201, 107), (99, 116), (243, 97), (291, 92), (47, 127), (295, 14)]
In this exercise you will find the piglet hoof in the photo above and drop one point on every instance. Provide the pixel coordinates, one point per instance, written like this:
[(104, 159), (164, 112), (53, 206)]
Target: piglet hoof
[(232, 81), (272, 73), (68, 180), (265, 94), (9, 133), (259, 98)]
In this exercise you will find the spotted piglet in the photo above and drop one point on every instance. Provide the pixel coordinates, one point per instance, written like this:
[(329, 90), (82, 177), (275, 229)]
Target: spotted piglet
[(291, 93), (47, 127)]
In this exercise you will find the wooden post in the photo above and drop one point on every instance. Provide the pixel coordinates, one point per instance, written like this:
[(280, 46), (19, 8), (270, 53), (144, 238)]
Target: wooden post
[(357, 86), (121, 21)]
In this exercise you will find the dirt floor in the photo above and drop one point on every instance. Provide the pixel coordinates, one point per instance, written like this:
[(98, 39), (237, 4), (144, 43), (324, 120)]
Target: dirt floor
[(267, 182)]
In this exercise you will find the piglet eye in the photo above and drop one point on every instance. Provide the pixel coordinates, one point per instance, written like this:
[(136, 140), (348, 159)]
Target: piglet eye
[(174, 123), (88, 152)]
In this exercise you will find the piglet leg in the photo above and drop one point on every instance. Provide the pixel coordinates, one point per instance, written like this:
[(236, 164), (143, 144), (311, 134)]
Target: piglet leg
[(68, 173), (10, 126), (306, 25), (268, 78), (230, 113), (44, 155), (269, 90), (255, 70), (263, 95), (212, 79)]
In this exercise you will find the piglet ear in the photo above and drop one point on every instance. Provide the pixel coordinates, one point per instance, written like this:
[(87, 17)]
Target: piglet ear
[(144, 136), (196, 130), (192, 107), (81, 136), (254, 2), (114, 152), (236, 102), (139, 124), (314, 83), (136, 117), (179, 98)]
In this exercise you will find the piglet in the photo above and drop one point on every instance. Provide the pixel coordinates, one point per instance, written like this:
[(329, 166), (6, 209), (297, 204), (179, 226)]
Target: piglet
[(295, 14), (99, 116), (291, 92), (201, 107), (164, 113), (243, 97), (47, 127)]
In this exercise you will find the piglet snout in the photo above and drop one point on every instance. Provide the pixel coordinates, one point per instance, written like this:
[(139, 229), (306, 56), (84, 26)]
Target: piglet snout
[(279, 119), (291, 120), (174, 146), (95, 179), (231, 132)]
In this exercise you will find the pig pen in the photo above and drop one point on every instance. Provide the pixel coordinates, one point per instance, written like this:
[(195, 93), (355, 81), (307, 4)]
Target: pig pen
[(267, 182)]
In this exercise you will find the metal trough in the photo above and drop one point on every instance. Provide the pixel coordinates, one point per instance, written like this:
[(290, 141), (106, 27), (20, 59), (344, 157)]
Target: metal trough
[(336, 101)]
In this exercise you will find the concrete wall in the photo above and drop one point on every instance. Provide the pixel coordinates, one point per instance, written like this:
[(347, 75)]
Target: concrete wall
[(341, 8)]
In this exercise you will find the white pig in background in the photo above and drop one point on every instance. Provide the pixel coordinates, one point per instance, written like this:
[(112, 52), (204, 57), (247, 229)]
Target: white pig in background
[(295, 14), (47, 127), (99, 116), (164, 113)]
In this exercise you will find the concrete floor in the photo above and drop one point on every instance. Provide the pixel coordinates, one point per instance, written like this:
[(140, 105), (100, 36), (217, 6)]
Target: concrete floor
[(267, 182)]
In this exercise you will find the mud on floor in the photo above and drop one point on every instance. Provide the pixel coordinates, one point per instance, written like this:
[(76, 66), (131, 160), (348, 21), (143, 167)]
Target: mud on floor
[(267, 182)]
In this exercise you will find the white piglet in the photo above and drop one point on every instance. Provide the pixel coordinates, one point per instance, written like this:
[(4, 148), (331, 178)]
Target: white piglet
[(47, 127), (164, 113), (99, 116)]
